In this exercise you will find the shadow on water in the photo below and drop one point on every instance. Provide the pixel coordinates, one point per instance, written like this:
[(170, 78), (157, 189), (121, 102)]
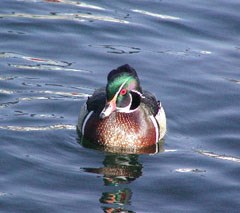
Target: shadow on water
[(120, 168)]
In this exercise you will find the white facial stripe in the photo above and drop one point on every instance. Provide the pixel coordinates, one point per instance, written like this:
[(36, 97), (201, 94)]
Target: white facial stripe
[(140, 94), (85, 121)]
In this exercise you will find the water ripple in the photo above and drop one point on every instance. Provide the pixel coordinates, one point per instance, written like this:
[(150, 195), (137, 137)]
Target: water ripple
[(2, 194), (165, 17), (55, 96), (219, 156), (67, 2), (189, 170), (66, 16), (38, 128), (33, 59), (44, 67), (8, 92), (118, 49), (40, 63), (22, 113), (121, 49), (234, 80), (70, 94)]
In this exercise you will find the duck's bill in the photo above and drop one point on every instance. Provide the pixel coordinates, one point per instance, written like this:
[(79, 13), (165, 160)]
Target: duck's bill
[(108, 109)]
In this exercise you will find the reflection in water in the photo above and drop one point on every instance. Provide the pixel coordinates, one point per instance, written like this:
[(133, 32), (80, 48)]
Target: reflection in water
[(122, 196), (117, 169), (112, 210), (120, 166)]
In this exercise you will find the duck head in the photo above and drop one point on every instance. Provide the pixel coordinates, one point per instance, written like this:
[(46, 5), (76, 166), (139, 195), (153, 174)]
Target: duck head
[(123, 91)]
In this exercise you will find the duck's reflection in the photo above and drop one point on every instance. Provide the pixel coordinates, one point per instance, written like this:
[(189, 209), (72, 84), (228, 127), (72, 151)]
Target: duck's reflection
[(122, 196), (118, 200), (119, 167)]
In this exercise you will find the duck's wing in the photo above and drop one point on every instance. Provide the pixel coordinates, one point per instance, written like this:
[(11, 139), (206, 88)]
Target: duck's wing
[(97, 101), (151, 103), (156, 109)]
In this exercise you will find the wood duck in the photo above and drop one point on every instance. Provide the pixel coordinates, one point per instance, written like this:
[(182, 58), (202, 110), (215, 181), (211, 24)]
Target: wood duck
[(122, 114)]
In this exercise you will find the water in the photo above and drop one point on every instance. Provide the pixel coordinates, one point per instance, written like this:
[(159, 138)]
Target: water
[(53, 54)]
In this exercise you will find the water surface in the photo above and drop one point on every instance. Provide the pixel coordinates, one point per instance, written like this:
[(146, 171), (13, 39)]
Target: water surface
[(53, 54)]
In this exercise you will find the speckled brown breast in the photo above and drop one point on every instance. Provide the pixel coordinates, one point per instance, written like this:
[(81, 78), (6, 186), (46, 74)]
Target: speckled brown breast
[(126, 130)]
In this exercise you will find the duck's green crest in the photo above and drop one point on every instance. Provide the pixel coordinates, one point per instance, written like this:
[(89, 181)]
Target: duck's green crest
[(124, 77)]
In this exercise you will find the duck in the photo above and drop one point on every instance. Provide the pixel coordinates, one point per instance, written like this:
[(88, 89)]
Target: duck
[(122, 114)]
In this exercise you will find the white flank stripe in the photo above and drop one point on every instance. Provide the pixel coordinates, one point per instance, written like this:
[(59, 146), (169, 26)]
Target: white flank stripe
[(156, 127), (85, 121)]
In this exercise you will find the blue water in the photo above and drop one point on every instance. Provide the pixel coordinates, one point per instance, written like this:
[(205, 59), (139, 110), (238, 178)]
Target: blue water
[(53, 54)]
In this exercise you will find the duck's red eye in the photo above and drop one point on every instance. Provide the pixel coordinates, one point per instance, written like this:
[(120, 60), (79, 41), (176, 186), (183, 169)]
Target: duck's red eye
[(123, 92)]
